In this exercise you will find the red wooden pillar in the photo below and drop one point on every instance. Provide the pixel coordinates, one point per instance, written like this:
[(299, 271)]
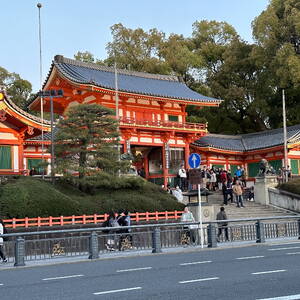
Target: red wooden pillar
[(164, 165), (146, 165), (21, 157), (186, 155)]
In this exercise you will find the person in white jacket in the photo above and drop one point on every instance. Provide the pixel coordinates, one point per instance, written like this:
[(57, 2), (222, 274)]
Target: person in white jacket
[(4, 259)]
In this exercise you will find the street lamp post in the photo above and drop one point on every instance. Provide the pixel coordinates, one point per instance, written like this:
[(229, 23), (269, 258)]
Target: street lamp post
[(52, 94), (285, 173)]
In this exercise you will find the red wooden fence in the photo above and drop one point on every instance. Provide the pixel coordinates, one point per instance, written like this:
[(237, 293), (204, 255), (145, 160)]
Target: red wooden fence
[(88, 219)]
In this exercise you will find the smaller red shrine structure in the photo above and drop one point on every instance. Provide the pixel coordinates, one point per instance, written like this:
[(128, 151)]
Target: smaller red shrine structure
[(152, 111), (247, 150), (17, 127)]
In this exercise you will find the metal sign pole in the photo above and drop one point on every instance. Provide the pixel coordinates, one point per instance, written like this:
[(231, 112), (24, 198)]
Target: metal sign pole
[(200, 215)]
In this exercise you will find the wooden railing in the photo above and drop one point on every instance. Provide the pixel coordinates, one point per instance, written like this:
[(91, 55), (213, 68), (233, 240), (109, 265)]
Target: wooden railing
[(88, 219), (162, 124)]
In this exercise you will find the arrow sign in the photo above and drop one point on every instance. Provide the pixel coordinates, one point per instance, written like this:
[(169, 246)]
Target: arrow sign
[(194, 160)]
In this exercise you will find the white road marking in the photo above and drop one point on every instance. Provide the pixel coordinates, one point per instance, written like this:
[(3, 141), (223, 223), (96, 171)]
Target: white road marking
[(286, 248), (288, 243), (268, 272), (292, 253), (136, 269), (196, 263), (250, 257), (63, 277), (118, 291), (199, 280), (1, 284), (290, 297)]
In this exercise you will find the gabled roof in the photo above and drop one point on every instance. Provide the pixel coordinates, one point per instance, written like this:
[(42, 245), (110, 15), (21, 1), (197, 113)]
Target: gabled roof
[(250, 141), (128, 81)]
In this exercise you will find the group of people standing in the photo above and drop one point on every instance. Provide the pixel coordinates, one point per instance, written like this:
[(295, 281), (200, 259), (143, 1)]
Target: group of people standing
[(116, 237), (212, 178)]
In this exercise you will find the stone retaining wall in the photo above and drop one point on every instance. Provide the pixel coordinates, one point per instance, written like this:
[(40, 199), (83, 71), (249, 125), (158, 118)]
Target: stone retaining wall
[(284, 199)]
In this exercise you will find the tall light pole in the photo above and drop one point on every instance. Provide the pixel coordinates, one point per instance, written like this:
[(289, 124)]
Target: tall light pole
[(39, 6), (52, 94), (285, 175), (117, 109)]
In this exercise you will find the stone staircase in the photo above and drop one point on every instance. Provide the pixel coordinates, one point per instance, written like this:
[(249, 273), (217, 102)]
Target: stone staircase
[(251, 210)]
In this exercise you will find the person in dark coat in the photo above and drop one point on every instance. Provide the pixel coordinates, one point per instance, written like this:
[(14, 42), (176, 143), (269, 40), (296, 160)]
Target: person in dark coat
[(222, 225), (2, 231)]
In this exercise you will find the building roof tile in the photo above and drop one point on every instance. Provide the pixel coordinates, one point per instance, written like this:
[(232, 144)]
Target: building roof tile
[(250, 141), (128, 81)]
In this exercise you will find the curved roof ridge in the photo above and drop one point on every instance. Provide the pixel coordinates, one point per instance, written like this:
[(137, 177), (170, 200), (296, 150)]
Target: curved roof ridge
[(12, 105), (226, 136), (61, 59), (271, 131)]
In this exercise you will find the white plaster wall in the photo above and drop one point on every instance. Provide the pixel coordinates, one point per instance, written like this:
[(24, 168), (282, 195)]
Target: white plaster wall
[(16, 158)]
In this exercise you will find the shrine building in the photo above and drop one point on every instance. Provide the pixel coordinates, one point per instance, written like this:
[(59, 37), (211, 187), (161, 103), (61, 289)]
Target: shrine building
[(152, 124), (152, 111), (247, 150), (18, 153)]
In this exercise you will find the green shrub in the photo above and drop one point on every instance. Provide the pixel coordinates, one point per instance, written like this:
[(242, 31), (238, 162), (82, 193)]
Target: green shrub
[(292, 186), (32, 197)]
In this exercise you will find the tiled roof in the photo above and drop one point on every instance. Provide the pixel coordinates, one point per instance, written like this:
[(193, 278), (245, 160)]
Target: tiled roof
[(250, 141), (16, 108), (132, 82), (46, 137)]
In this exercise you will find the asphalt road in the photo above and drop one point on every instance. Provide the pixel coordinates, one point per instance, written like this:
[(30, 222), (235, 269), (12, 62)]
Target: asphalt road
[(252, 272)]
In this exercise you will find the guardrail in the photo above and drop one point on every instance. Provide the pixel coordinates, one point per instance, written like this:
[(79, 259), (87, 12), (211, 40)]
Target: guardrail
[(88, 219), (94, 242)]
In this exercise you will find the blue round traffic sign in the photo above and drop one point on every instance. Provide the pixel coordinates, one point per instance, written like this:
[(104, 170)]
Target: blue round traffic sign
[(194, 160)]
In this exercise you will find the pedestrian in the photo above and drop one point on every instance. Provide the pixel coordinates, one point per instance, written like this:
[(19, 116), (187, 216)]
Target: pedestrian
[(182, 178), (238, 172), (112, 221), (224, 191), (213, 180), (124, 220), (186, 217), (229, 191), (238, 191), (178, 194), (2, 231), (222, 226)]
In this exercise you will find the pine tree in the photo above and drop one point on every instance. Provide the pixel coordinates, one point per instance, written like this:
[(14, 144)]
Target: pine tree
[(86, 141)]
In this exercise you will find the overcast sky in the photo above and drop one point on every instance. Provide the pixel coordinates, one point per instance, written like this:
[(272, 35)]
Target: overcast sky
[(69, 26)]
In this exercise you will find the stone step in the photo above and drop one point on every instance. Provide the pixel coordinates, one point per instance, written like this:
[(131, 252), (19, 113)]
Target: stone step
[(251, 210)]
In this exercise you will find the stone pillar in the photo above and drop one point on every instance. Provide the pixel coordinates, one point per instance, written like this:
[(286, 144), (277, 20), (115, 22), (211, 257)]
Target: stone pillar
[(93, 246), (19, 252), (261, 194), (156, 242)]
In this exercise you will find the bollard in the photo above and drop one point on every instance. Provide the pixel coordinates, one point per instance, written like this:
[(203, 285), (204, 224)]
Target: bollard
[(260, 232), (298, 229), (19, 252), (211, 236), (93, 246), (156, 242)]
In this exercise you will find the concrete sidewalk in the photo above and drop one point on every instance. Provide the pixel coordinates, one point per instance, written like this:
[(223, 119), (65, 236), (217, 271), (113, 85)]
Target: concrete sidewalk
[(137, 253)]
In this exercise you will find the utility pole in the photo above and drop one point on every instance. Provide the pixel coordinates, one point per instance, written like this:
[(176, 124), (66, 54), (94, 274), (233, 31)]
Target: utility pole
[(284, 137), (39, 6), (117, 111)]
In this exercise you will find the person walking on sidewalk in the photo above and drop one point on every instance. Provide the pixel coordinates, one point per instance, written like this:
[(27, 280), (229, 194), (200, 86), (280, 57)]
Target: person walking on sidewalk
[(222, 225), (2, 231), (238, 191)]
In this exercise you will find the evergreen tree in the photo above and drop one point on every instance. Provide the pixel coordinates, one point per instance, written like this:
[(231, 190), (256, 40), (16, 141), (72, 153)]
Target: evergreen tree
[(86, 141)]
